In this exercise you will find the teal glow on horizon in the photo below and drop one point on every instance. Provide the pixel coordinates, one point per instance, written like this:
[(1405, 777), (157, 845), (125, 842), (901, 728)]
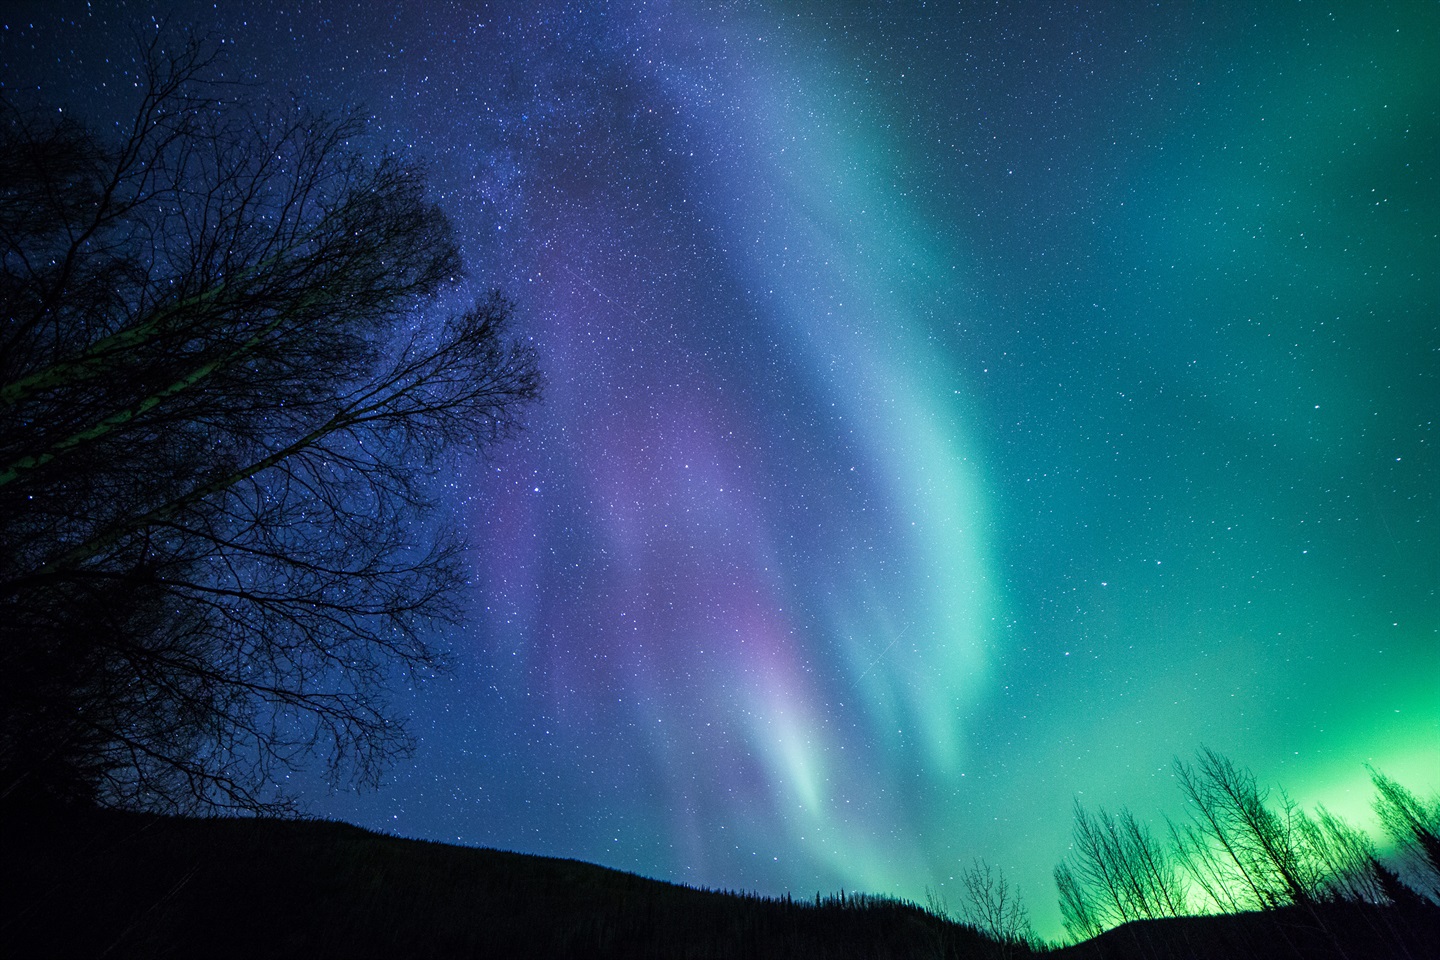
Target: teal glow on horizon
[(951, 411), (867, 305), (953, 416)]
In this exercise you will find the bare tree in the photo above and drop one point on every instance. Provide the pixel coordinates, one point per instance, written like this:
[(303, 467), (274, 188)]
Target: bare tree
[(1345, 856), (1249, 855), (994, 907), (1259, 855), (221, 401), (1118, 872), (1239, 850), (1208, 869), (1414, 825), (1077, 911)]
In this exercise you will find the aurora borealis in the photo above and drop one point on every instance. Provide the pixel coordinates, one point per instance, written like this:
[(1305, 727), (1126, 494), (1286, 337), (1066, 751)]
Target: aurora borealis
[(952, 409)]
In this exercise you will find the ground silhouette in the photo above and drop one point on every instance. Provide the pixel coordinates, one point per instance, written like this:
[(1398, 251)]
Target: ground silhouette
[(88, 883)]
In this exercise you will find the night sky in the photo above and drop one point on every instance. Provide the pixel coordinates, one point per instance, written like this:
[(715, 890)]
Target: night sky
[(952, 409)]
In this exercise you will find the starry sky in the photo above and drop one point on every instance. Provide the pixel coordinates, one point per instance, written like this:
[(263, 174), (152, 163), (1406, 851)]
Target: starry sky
[(952, 409)]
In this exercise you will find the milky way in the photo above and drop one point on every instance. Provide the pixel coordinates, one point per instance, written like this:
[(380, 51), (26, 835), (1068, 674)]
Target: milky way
[(951, 410)]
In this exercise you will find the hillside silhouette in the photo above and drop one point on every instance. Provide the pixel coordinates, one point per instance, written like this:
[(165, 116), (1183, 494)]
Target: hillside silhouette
[(87, 883), (119, 884)]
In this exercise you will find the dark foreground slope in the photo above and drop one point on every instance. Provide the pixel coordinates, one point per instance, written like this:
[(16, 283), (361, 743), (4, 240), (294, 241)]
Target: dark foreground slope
[(123, 885), (1329, 932)]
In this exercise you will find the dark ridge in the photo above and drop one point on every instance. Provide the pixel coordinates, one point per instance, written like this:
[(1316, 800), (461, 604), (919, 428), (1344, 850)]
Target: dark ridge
[(1331, 931), (111, 884), (131, 885)]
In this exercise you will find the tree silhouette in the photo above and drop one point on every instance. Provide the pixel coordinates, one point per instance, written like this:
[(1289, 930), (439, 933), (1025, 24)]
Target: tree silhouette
[(1117, 872), (992, 906), (1238, 843), (220, 411), (1414, 825), (1244, 850)]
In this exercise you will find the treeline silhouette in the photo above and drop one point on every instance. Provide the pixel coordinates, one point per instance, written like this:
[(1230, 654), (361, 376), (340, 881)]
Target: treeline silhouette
[(1248, 873), (1267, 881), (118, 884), (223, 404)]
